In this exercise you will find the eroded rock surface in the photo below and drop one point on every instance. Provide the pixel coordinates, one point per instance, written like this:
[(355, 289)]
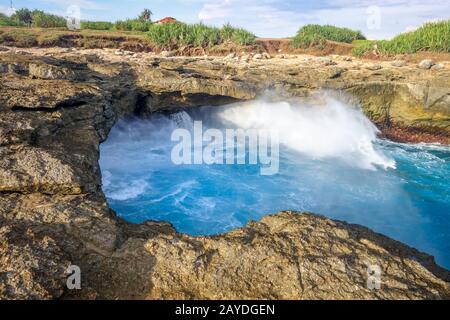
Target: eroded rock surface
[(56, 110)]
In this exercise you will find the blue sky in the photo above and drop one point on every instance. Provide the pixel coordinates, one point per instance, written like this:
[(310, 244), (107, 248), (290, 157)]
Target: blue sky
[(378, 19)]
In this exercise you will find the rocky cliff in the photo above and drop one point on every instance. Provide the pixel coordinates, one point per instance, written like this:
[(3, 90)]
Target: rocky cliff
[(58, 105)]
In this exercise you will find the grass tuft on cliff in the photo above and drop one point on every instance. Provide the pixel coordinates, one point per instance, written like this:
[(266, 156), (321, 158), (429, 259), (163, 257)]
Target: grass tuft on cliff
[(199, 34), (316, 35), (432, 36)]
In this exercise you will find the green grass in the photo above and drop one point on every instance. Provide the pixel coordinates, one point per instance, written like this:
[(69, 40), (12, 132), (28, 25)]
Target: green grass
[(316, 35), (433, 36), (199, 34)]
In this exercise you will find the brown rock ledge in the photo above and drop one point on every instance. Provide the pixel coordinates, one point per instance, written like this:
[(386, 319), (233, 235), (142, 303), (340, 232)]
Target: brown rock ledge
[(55, 110)]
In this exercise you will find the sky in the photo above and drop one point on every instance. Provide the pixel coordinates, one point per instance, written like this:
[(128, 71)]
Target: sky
[(377, 19)]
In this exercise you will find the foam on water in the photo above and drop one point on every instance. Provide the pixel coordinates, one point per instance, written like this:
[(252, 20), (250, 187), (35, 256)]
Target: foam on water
[(331, 163)]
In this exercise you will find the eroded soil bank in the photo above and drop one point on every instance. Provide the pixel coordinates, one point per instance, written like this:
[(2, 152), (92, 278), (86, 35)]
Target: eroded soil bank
[(58, 105)]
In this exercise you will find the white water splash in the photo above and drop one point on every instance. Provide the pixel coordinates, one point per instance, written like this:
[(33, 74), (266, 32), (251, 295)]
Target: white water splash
[(332, 130)]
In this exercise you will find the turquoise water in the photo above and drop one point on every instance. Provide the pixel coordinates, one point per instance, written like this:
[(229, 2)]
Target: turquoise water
[(330, 163)]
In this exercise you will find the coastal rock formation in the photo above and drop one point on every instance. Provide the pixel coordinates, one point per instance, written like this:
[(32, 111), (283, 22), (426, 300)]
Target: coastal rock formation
[(56, 109)]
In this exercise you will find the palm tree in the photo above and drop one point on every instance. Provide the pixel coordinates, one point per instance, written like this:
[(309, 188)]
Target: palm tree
[(146, 15)]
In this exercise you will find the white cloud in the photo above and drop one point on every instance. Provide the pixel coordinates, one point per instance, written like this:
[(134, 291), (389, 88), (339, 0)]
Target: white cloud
[(216, 10), (262, 17), (267, 18)]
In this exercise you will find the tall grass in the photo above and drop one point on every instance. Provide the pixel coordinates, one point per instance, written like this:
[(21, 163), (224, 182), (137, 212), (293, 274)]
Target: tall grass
[(432, 36), (96, 25), (199, 34), (132, 25), (316, 35)]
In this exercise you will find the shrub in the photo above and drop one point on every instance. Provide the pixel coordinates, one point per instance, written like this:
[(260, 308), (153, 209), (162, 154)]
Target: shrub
[(6, 21), (23, 16), (314, 34), (35, 18), (432, 36), (45, 20), (199, 34), (97, 25)]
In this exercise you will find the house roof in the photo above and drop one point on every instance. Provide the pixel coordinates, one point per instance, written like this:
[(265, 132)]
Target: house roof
[(166, 19)]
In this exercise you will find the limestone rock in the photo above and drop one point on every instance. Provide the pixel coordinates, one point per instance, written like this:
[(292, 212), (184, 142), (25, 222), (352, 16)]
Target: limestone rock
[(53, 212), (299, 256), (257, 56), (32, 266), (230, 56), (167, 54), (245, 58), (426, 64), (326, 61), (398, 63), (438, 66), (372, 66)]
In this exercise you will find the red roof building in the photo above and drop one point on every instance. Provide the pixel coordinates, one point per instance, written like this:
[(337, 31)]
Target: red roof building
[(166, 20)]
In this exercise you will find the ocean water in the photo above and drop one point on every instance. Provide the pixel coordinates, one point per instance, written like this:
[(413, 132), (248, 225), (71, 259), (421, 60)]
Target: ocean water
[(330, 163)]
